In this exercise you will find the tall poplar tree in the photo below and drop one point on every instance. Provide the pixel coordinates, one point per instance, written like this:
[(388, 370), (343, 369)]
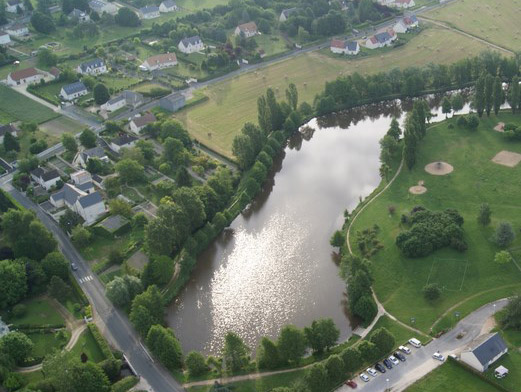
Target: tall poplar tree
[(489, 92), (514, 94), (497, 94), (479, 97)]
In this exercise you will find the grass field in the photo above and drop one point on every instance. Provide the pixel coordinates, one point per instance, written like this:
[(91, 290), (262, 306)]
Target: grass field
[(21, 108), (495, 21), (44, 344), (451, 377), (50, 92), (39, 312), (87, 344), (57, 127), (234, 102), (272, 44), (475, 179), (400, 333)]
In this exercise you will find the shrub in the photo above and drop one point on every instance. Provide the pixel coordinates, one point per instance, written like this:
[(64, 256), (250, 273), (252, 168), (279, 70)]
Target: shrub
[(504, 235), (431, 291), (196, 364)]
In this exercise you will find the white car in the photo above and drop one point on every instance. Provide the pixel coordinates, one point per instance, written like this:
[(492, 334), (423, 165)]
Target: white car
[(372, 372), (415, 342), (364, 377), (394, 361), (404, 349), (437, 355)]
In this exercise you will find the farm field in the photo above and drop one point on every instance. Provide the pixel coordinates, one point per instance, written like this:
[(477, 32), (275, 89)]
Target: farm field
[(495, 21), (20, 107), (476, 179), (234, 102)]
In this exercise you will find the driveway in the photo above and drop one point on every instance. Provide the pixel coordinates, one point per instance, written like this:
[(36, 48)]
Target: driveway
[(420, 362)]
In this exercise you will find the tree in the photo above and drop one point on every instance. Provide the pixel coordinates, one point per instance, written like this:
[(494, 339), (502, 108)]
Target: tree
[(46, 57), (88, 139), (122, 290), (292, 96), (394, 129), (235, 352), (120, 207), (268, 356), (337, 239), (69, 143), (192, 206), (472, 122), (291, 343), (446, 106), (13, 282), (322, 335), (489, 91), (11, 143), (42, 23), (80, 236), (457, 102), (101, 94), (497, 94), (28, 6), (368, 351), (264, 115), (316, 378), (242, 148), (195, 364), (54, 264), (431, 291), (352, 359), (165, 346), (158, 271), (276, 116), (479, 97), (182, 177), (174, 152), (335, 368), (127, 18), (58, 288), (366, 308), (502, 257), (384, 171), (512, 316), (130, 171), (484, 214), (147, 309), (384, 340), (504, 235), (17, 345), (514, 95), (69, 220)]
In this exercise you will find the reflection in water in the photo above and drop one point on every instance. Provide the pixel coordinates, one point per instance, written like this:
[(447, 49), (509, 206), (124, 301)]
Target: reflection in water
[(274, 265)]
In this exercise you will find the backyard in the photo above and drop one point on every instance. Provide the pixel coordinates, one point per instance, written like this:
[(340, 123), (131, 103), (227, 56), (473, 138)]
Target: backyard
[(22, 108)]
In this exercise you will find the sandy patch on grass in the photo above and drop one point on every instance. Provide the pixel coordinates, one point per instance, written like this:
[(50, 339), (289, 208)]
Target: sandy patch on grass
[(500, 127), (418, 189), (439, 168), (507, 158)]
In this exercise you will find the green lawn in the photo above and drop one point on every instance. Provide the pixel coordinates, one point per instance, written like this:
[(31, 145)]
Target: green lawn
[(400, 333), (512, 361), (99, 248), (44, 344), (272, 44), (451, 377), (23, 108), (475, 179), (50, 92), (39, 312), (117, 83), (87, 344)]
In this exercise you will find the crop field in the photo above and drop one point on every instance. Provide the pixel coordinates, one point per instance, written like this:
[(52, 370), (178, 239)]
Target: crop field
[(495, 21), (234, 102), (19, 107)]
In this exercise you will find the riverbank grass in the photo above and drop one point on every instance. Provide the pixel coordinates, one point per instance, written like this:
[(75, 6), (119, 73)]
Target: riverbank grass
[(475, 180)]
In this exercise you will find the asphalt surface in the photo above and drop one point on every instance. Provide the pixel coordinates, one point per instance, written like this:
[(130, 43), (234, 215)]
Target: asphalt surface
[(420, 361), (113, 323)]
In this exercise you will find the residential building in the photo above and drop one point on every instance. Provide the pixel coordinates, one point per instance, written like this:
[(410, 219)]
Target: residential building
[(82, 158), (82, 199), (247, 29), (126, 98), (168, 6), (92, 67), (285, 14), (8, 128), (47, 179), (484, 351), (159, 61), (132, 98), (101, 6), (81, 177), (17, 30), (379, 40), (191, 45), (114, 104), (24, 76), (13, 5), (344, 47), (72, 91), (4, 38), (140, 122), (79, 15), (123, 141), (173, 102), (55, 72), (149, 12), (403, 4), (406, 24)]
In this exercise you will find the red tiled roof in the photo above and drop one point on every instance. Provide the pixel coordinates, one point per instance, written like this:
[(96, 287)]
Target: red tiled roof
[(250, 26), (162, 59), (338, 43), (144, 120), (24, 73)]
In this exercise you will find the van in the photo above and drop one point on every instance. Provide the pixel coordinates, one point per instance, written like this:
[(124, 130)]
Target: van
[(415, 342)]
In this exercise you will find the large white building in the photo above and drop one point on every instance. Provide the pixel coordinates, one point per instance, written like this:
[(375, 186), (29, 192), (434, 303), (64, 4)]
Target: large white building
[(149, 12), (123, 141), (92, 67), (24, 76), (140, 122), (191, 45), (484, 351), (406, 24), (285, 14), (72, 91), (344, 47), (247, 29), (47, 179), (82, 158), (101, 6), (17, 30), (82, 199), (168, 6), (159, 61)]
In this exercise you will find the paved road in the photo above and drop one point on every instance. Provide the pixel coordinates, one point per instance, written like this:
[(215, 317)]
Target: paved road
[(114, 325), (420, 362)]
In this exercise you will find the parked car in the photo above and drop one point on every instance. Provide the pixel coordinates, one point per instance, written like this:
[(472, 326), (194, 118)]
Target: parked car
[(378, 366), (351, 383), (364, 377), (437, 355), (372, 372), (388, 364), (400, 356), (74, 267), (404, 349), (415, 342), (393, 360)]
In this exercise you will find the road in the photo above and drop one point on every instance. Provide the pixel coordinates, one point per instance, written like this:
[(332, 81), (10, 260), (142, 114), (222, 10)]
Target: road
[(420, 362), (114, 324)]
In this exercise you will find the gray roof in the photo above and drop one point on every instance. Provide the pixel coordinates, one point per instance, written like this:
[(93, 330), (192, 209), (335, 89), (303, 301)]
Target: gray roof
[(191, 40), (96, 63), (90, 200), (14, 2), (74, 88), (69, 193), (96, 4), (132, 98), (383, 37), (124, 140), (287, 12), (351, 45), (487, 347), (85, 186), (76, 13), (169, 4), (149, 9), (115, 100), (95, 152), (97, 178), (45, 175), (7, 128)]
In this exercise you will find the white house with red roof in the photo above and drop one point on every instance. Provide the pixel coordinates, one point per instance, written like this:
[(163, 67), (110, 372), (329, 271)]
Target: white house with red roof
[(159, 61), (247, 29), (344, 47), (406, 24), (24, 76), (379, 40)]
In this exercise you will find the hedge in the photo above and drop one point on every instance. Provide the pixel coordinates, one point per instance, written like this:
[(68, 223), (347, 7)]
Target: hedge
[(7, 202), (125, 384), (102, 343), (28, 328)]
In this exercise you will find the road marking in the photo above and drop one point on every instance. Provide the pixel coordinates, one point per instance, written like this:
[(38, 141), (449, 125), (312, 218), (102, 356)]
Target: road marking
[(86, 279)]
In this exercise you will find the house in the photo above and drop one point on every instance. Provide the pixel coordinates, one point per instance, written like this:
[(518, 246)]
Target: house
[(140, 122), (79, 15), (406, 24), (159, 61), (82, 199), (132, 98), (149, 12), (285, 14), (8, 128), (126, 98), (55, 72), (82, 158), (168, 6), (247, 29), (173, 102), (92, 67), (81, 177), (191, 45), (484, 351), (46, 179), (17, 30), (123, 141), (72, 91), (344, 47), (403, 3), (13, 5), (24, 76), (4, 38), (100, 7), (114, 104), (379, 40)]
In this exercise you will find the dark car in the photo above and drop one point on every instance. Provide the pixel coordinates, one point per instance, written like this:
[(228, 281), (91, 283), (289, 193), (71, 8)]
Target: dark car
[(74, 267), (351, 383), (388, 364), (400, 356), (378, 366)]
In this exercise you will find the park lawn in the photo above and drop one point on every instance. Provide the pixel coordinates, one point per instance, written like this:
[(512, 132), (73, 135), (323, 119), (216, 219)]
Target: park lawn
[(88, 345), (401, 334), (23, 108), (496, 21), (475, 180), (117, 83), (40, 311), (272, 44), (234, 102), (44, 344), (451, 377)]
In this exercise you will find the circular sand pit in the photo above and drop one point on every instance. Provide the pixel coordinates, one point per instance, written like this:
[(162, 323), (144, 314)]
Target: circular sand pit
[(439, 168), (417, 190)]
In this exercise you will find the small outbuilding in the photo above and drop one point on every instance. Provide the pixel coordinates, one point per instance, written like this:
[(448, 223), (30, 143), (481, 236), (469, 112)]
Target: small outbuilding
[(500, 372)]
